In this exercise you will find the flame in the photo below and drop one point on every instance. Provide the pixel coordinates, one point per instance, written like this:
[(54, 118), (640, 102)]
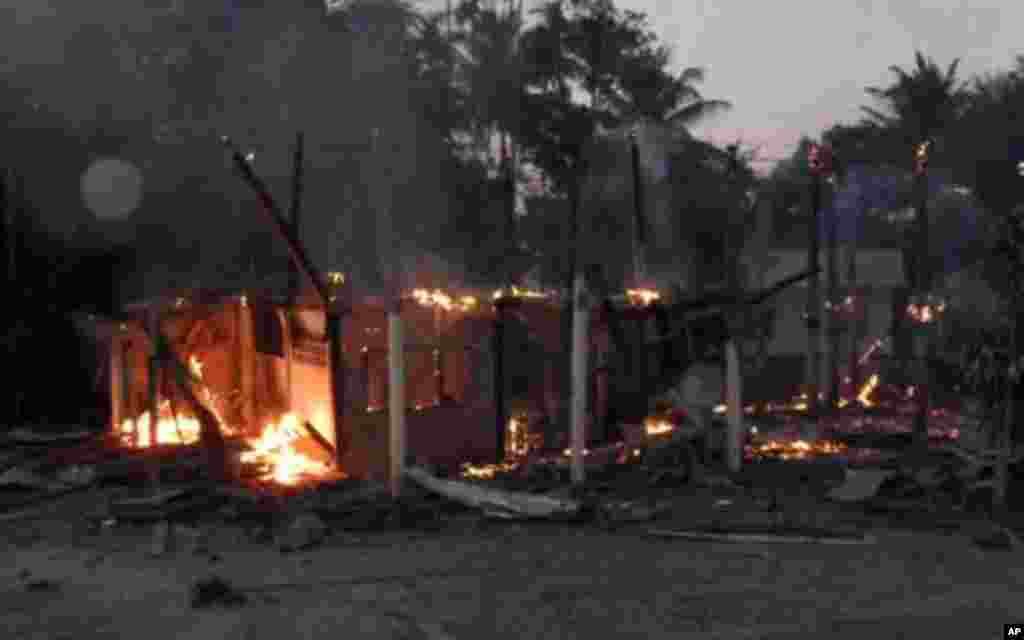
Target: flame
[(517, 443), (275, 448), (926, 313), (642, 297), (866, 391), (796, 449), (169, 429), (440, 300), (516, 292), (657, 427), (486, 471)]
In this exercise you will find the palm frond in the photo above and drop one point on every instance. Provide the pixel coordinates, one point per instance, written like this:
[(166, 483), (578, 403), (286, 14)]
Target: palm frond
[(696, 111)]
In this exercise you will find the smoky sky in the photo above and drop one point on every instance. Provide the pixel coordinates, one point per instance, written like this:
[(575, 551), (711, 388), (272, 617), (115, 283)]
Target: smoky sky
[(793, 67)]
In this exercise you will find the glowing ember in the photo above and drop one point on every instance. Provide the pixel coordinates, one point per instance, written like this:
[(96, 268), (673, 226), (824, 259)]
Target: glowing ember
[(486, 471), (658, 427), (863, 397), (170, 429), (796, 449), (568, 452), (441, 300), (516, 292), (275, 449), (517, 441), (642, 297)]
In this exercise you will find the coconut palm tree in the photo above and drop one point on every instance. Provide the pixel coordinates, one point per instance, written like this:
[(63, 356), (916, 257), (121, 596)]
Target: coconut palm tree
[(492, 71), (921, 105), (647, 92)]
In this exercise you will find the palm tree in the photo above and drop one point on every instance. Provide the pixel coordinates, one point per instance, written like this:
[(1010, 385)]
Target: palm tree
[(492, 71), (648, 92), (922, 104)]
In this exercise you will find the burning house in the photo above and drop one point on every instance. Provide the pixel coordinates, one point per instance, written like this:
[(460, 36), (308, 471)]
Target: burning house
[(260, 365)]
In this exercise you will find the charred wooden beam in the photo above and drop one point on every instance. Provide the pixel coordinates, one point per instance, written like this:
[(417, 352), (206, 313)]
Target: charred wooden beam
[(210, 435), (320, 440), (336, 360), (279, 223), (295, 216)]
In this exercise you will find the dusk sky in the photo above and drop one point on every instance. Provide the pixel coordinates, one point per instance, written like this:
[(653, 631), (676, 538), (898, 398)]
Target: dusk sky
[(792, 66)]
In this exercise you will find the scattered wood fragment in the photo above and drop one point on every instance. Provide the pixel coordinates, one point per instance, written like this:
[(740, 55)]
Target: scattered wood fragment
[(760, 538), (496, 502), (23, 436)]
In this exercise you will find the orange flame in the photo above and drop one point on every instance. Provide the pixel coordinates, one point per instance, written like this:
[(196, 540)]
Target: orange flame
[(642, 297), (274, 448), (658, 427)]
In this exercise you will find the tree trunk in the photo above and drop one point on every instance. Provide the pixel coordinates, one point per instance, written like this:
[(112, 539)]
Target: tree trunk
[(925, 350)]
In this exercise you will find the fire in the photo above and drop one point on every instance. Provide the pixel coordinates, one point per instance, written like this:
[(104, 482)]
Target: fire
[(485, 471), (517, 437), (863, 397), (170, 429), (657, 427), (516, 292), (441, 300), (796, 449), (642, 297), (275, 448)]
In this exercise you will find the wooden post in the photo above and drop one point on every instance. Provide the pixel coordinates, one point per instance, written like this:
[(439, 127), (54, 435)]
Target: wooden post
[(153, 320), (338, 377), (498, 356), (580, 329), (859, 307), (568, 310), (396, 397), (440, 386), (246, 365), (813, 312), (117, 409), (295, 218), (129, 380), (365, 380), (734, 407), (284, 317), (835, 327)]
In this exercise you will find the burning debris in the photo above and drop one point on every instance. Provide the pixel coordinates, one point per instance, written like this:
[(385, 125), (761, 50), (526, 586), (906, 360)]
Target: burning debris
[(516, 292), (273, 453), (642, 297), (440, 300), (658, 427), (795, 450)]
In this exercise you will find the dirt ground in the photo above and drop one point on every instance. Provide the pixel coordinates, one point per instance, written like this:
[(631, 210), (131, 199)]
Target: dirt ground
[(503, 581)]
